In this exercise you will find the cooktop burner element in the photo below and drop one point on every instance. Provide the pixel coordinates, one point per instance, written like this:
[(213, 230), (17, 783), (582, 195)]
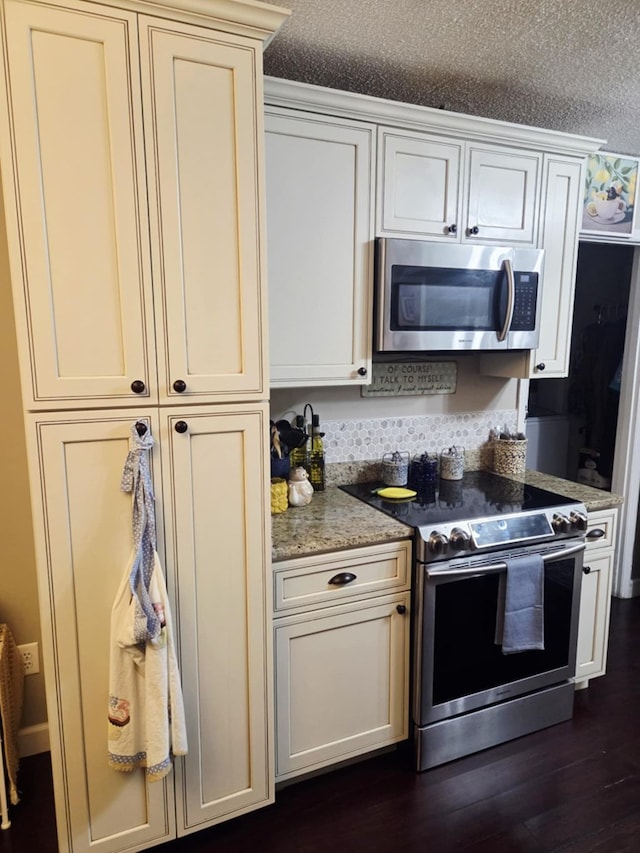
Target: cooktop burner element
[(483, 511)]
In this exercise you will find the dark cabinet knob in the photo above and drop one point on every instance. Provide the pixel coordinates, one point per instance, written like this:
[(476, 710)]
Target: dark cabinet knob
[(179, 385), (474, 230), (181, 426), (401, 609), (362, 371), (138, 386), (342, 578), (586, 569), (541, 366), (452, 229)]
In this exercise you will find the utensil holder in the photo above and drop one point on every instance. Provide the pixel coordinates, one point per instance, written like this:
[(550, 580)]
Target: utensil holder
[(510, 456)]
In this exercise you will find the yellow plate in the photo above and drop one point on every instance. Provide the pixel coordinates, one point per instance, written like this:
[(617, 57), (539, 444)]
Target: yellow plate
[(396, 493)]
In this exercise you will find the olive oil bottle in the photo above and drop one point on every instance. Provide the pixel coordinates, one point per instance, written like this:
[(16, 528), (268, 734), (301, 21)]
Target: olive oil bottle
[(316, 456), (298, 456)]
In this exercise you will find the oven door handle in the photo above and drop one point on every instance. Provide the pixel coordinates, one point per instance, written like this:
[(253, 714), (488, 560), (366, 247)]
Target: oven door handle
[(493, 568)]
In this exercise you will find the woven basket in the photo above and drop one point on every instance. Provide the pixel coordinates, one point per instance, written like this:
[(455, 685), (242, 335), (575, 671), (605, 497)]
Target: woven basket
[(510, 456)]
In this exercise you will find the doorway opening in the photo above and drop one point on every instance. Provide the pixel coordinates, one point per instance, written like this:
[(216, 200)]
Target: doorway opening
[(584, 428), (572, 422)]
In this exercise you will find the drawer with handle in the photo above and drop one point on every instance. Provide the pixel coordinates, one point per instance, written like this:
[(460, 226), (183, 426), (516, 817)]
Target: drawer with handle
[(323, 579), (601, 529)]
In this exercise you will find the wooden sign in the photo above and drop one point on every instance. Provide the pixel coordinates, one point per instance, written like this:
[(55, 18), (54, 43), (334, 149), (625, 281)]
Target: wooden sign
[(408, 378)]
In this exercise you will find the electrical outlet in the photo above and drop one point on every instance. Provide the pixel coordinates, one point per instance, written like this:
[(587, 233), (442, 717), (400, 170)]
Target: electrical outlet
[(30, 658)]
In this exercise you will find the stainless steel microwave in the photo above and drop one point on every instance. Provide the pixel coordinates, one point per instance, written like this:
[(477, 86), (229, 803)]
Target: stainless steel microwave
[(436, 297)]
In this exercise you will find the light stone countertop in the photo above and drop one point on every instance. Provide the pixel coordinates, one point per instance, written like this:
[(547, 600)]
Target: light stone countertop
[(335, 520), (332, 521), (593, 499)]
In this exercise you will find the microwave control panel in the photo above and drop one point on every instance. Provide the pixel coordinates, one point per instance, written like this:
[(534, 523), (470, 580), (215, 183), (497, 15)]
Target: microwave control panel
[(526, 297)]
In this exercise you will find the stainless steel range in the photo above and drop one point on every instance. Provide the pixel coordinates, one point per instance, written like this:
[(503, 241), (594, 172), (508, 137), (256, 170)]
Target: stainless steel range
[(467, 694)]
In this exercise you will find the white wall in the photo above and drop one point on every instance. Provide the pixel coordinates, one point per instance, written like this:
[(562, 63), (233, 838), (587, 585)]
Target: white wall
[(474, 393), (361, 428)]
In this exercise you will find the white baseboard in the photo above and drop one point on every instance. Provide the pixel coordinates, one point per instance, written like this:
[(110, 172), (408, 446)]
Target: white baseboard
[(33, 739), (627, 588)]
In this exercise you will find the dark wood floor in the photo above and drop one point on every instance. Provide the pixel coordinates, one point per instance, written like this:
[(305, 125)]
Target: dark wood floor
[(574, 788)]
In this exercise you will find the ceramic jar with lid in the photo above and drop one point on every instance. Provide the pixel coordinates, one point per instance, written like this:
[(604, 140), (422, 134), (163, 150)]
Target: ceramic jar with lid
[(452, 463), (395, 468)]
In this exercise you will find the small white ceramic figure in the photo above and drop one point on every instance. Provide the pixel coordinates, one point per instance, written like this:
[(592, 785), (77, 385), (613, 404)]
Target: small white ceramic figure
[(300, 489)]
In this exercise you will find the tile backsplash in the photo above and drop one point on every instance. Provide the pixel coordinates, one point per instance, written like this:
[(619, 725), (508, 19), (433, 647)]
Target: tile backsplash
[(370, 439)]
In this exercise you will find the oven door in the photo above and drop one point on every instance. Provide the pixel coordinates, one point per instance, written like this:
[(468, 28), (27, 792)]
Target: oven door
[(457, 665)]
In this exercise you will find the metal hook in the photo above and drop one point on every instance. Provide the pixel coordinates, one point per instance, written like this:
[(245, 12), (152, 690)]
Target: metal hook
[(141, 428)]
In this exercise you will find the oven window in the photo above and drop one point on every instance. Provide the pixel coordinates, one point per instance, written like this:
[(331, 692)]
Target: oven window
[(465, 656), (434, 298)]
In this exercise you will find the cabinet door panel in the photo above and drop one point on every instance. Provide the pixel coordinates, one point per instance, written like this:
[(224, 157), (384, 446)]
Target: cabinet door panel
[(203, 144), (217, 474), (563, 193), (320, 249), (83, 545), (341, 683), (79, 249), (593, 627), (419, 185), (503, 195)]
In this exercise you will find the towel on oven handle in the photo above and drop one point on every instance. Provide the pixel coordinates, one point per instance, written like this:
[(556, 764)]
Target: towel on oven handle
[(520, 611)]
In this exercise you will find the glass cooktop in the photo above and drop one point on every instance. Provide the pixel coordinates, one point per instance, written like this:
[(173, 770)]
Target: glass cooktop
[(479, 494)]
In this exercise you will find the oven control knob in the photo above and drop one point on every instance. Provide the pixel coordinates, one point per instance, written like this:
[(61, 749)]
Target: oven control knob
[(560, 523), (578, 521), (459, 539), (438, 543)]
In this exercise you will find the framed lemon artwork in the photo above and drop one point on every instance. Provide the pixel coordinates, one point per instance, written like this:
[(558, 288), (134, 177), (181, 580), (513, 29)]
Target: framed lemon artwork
[(610, 194)]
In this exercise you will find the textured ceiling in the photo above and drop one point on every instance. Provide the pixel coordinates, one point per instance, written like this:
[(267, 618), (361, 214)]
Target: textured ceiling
[(569, 65)]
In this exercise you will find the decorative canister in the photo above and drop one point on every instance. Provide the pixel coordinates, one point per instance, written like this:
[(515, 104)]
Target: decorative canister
[(279, 495), (509, 456), (452, 463), (423, 471), (395, 468)]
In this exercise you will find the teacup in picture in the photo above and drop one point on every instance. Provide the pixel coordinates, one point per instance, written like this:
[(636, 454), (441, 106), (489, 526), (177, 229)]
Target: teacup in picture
[(609, 200), (607, 209)]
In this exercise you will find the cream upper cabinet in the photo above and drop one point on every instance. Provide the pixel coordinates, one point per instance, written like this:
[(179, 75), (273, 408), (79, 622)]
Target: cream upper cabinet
[(419, 190), (73, 172), (203, 139), (563, 191), (503, 195), (563, 182), (320, 250), (445, 189), (440, 176), (92, 92)]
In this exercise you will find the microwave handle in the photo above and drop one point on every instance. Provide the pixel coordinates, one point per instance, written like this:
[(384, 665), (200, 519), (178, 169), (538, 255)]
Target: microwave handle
[(511, 295)]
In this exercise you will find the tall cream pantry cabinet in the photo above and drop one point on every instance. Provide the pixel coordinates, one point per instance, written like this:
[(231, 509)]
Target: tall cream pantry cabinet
[(132, 233)]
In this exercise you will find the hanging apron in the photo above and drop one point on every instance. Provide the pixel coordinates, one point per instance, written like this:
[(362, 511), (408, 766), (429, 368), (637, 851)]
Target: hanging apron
[(146, 709)]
